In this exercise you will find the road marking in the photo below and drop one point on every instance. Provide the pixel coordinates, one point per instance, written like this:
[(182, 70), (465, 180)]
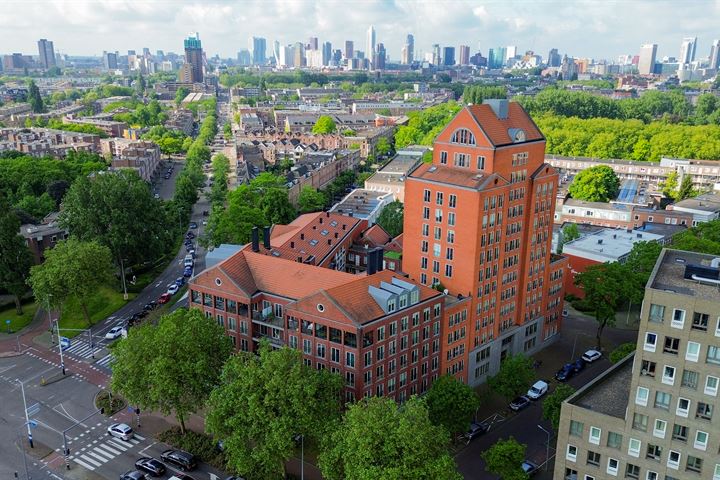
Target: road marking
[(139, 437), (116, 444), (9, 367), (99, 455), (83, 464), (89, 460), (105, 446)]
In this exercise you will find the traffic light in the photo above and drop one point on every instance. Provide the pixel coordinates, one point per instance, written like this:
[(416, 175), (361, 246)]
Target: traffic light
[(102, 411), (67, 452), (137, 411)]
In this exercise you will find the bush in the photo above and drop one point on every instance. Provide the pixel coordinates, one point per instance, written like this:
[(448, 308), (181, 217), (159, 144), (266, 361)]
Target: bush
[(199, 444), (102, 400), (622, 351)]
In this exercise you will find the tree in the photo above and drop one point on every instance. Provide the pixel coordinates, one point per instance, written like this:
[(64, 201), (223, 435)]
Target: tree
[(171, 367), (15, 258), (391, 218), (119, 211), (383, 147), (669, 185), (505, 459), (180, 94), (515, 376), (704, 238), (140, 84), (451, 404), (57, 189), (605, 286), (569, 233), (553, 403), (595, 184), (263, 402), (324, 124), (72, 269), (686, 189), (378, 439), (622, 351), (311, 200), (34, 98)]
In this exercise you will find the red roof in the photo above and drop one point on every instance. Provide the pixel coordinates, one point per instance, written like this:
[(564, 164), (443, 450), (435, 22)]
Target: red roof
[(496, 130), (375, 236)]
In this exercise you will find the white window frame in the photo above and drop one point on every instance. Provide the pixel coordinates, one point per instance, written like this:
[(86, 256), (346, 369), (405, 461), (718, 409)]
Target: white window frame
[(659, 432), (712, 391), (716, 472), (692, 357), (680, 412), (589, 477), (571, 456), (649, 477), (698, 444), (679, 324), (648, 346), (672, 463), (594, 439), (634, 446), (717, 328), (639, 400), (613, 470), (668, 379)]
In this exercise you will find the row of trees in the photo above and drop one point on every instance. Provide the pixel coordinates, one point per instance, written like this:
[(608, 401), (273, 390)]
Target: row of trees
[(260, 405), (425, 125), (171, 142), (143, 115), (477, 93)]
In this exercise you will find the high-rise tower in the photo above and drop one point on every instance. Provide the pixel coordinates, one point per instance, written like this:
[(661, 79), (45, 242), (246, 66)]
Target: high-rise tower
[(194, 58)]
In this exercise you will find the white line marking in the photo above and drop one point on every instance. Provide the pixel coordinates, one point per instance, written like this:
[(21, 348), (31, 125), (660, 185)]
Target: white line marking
[(139, 437), (100, 457), (89, 460), (118, 445), (83, 464), (105, 446)]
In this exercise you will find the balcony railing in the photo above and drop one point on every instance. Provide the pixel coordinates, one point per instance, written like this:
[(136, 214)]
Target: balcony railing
[(275, 342), (270, 320)]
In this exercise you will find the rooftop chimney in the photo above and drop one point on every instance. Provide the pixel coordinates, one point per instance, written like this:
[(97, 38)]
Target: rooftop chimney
[(499, 106), (255, 240), (372, 262), (380, 256), (266, 237)]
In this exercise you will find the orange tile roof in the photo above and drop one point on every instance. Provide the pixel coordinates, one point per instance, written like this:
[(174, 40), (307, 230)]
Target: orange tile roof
[(376, 235), (496, 129), (449, 175)]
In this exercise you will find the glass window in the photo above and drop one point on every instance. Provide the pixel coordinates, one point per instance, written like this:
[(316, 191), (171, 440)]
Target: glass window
[(654, 452), (679, 432), (704, 411), (713, 354), (668, 377), (693, 352), (650, 342), (690, 379), (701, 439), (335, 335), (594, 437), (678, 319), (612, 466), (711, 385), (632, 471), (614, 440), (571, 453), (641, 397), (593, 458), (640, 421), (576, 428), (657, 313), (673, 459), (659, 428), (662, 400), (700, 321), (693, 464)]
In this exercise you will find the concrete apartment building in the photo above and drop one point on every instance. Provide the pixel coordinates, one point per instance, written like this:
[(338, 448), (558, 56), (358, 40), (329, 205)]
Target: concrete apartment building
[(616, 215), (182, 120), (110, 127), (702, 208), (478, 221), (142, 156), (40, 142), (391, 177), (317, 169), (653, 416)]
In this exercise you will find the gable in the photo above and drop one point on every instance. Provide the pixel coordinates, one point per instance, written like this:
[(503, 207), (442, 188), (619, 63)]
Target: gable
[(464, 119)]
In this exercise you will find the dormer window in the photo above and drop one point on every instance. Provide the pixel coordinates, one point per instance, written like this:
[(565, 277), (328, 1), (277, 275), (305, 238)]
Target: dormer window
[(391, 305), (463, 136)]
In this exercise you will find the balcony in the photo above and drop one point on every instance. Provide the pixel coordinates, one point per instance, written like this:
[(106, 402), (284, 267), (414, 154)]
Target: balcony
[(269, 320), (274, 342)]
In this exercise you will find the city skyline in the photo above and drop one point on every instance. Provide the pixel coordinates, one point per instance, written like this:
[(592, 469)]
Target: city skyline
[(537, 26)]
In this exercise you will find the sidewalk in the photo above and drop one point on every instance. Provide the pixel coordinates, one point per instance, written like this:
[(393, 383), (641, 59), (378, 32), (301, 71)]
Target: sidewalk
[(39, 325)]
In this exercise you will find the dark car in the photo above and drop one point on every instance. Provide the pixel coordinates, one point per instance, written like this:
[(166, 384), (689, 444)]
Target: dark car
[(150, 306), (190, 235), (530, 468), (578, 365), (564, 374), (133, 475), (193, 225), (182, 460), (167, 176), (187, 272), (205, 213), (150, 465), (476, 429), (519, 403), (180, 281)]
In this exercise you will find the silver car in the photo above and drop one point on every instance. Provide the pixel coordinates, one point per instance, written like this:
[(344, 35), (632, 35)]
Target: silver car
[(121, 431)]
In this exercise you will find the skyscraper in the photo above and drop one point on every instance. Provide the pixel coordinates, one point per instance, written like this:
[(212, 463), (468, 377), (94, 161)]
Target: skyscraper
[(464, 55), (110, 60), (326, 53), (299, 55), (370, 46), (276, 52), (47, 53), (646, 60), (510, 52), (313, 43), (349, 49), (258, 46), (194, 58), (715, 54), (496, 57), (408, 50), (436, 54), (554, 58), (687, 50), (478, 222), (380, 57), (448, 57), (244, 58)]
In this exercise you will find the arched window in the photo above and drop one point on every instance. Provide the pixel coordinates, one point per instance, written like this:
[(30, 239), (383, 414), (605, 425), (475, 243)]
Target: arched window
[(463, 136)]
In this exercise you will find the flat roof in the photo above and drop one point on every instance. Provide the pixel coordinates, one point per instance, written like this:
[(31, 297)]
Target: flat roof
[(360, 203), (608, 244), (608, 393), (709, 202), (669, 274)]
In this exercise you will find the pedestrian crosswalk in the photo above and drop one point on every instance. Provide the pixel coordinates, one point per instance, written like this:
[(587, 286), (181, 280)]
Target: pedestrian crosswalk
[(103, 450), (105, 361), (82, 348)]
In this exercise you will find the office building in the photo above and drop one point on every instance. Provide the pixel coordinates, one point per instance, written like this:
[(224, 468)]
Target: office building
[(370, 47), (349, 52), (380, 55), (715, 55), (510, 52), (110, 60), (408, 50), (554, 58), (326, 53), (193, 59), (244, 58), (687, 50), (257, 48), (448, 58), (478, 222), (654, 416), (299, 55), (496, 57), (646, 60), (47, 53), (464, 55), (313, 43)]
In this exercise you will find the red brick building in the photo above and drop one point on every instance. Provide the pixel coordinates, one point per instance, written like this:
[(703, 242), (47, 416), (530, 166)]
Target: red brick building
[(478, 222)]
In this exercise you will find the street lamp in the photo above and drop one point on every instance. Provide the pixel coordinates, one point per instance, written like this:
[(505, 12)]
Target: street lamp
[(301, 437), (27, 419), (547, 447), (60, 347)]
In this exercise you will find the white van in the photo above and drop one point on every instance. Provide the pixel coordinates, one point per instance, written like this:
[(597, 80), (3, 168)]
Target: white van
[(538, 389), (188, 262)]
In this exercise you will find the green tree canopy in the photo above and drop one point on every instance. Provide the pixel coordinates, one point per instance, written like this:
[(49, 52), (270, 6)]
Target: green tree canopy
[(552, 404), (324, 124), (595, 184), (703, 238), (622, 351), (15, 258), (34, 98), (376, 439), (263, 402), (311, 200), (383, 147), (451, 404), (514, 378), (171, 367), (505, 458), (424, 125), (605, 286), (391, 218), (72, 269)]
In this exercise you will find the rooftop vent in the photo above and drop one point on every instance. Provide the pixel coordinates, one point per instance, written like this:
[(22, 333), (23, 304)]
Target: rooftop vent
[(599, 241), (499, 106)]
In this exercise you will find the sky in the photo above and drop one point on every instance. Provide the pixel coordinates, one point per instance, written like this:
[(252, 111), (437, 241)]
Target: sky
[(580, 28)]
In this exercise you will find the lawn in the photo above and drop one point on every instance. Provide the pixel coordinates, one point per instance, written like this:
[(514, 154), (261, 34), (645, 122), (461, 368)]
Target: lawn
[(104, 303), (17, 321)]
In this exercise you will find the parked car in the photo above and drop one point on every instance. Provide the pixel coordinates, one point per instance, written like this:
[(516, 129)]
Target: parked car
[(167, 176), (164, 298), (189, 235), (157, 196), (591, 355), (188, 262), (193, 225), (181, 476), (150, 465), (519, 403), (115, 332), (538, 389), (565, 372), (187, 272), (191, 252), (476, 429), (64, 343), (121, 431), (205, 213), (173, 289), (180, 281), (133, 475), (150, 306), (578, 365), (530, 468), (182, 460)]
